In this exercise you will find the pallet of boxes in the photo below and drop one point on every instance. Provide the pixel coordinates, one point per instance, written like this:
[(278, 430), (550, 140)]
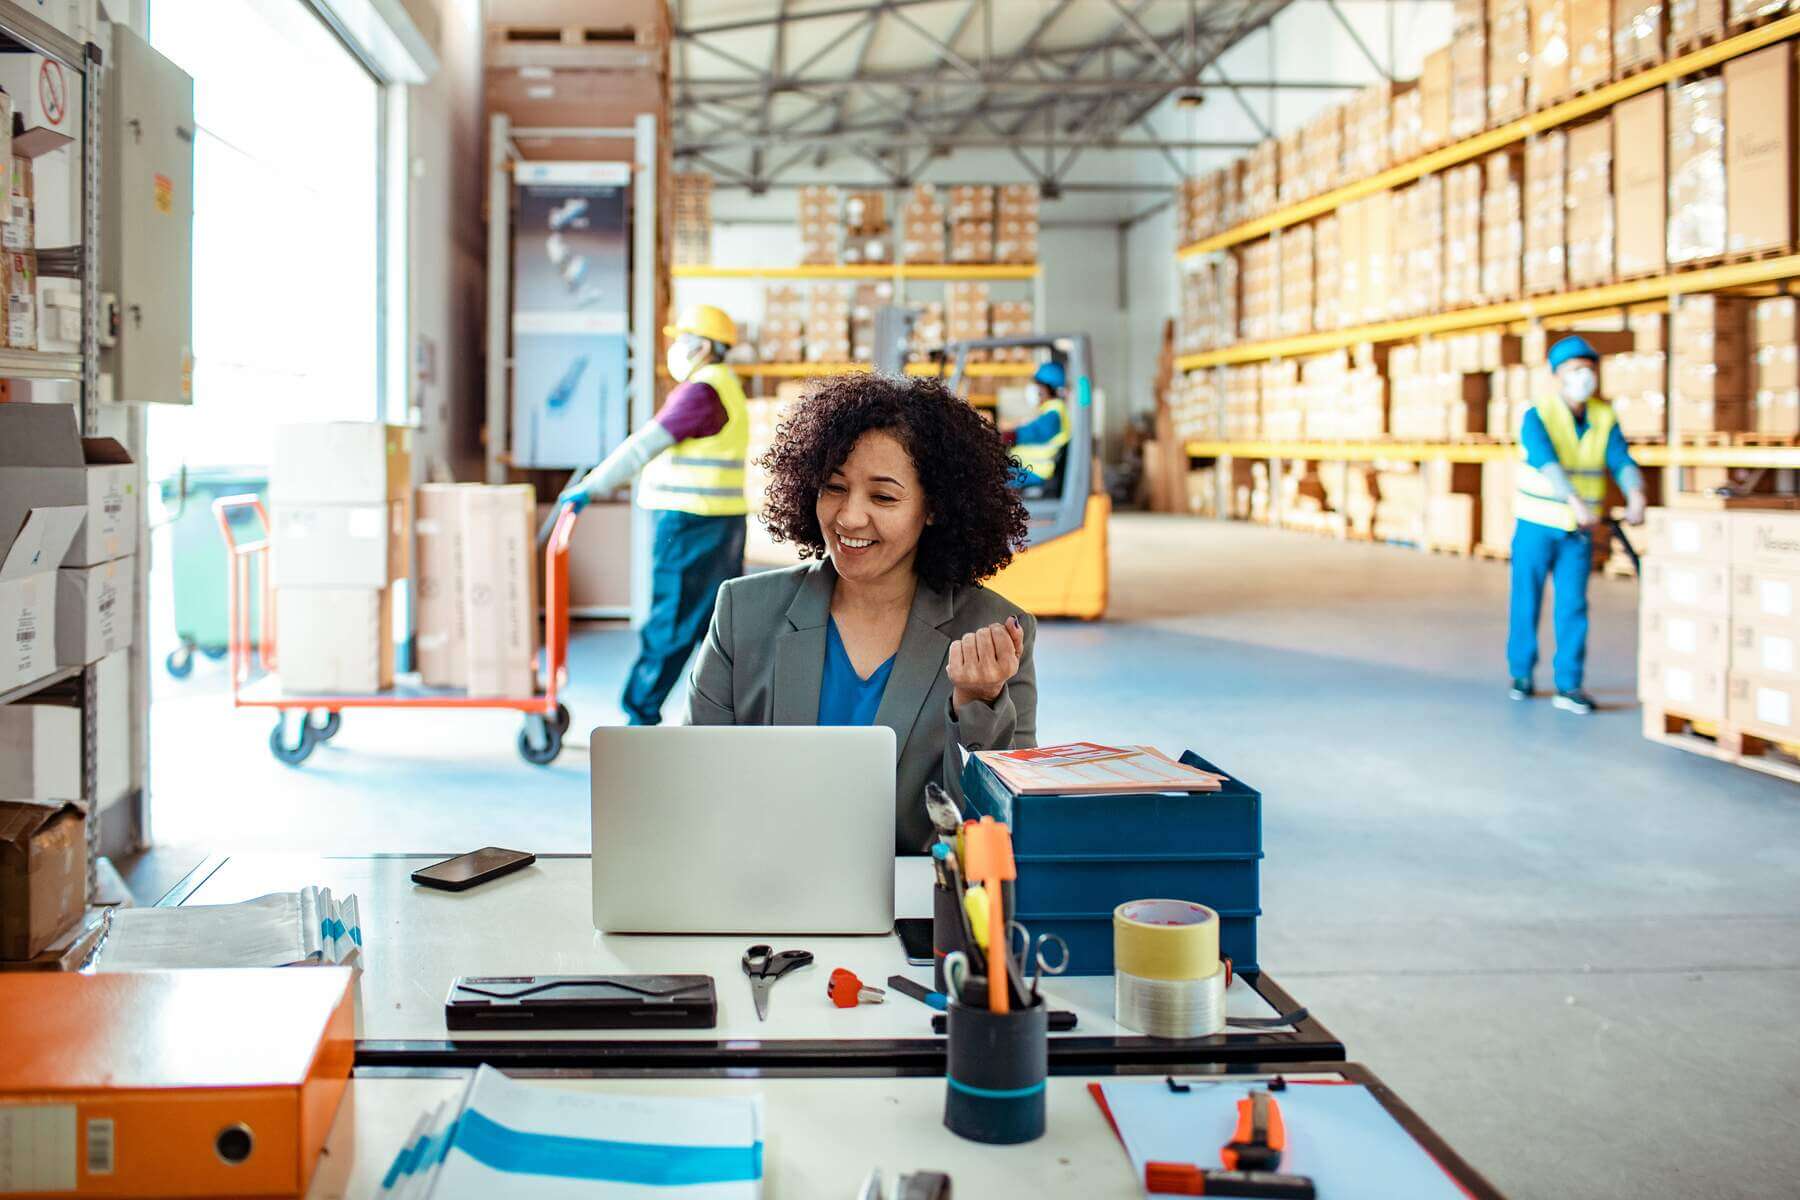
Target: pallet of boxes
[(1719, 620)]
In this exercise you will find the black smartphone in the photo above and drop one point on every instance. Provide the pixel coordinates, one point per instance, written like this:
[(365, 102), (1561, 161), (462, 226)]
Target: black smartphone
[(477, 866), (915, 939)]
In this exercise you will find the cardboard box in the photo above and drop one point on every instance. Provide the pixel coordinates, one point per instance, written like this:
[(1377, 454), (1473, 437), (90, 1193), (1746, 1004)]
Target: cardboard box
[(28, 592), (1769, 648), (1765, 594), (441, 634), (1590, 44), (46, 101), (1775, 323), (1639, 29), (95, 610), (1697, 200), (1765, 705), (1689, 686), (1759, 150), (1692, 21), (336, 545), (45, 462), (1434, 99), (1679, 633), (1702, 586), (1689, 534), (1640, 182), (334, 641), (341, 462), (19, 228), (499, 590), (1765, 539), (1548, 79), (43, 873)]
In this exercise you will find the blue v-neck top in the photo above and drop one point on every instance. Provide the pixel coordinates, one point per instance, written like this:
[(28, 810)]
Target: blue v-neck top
[(845, 698)]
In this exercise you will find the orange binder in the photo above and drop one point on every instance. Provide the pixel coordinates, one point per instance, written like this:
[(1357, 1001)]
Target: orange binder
[(171, 1083)]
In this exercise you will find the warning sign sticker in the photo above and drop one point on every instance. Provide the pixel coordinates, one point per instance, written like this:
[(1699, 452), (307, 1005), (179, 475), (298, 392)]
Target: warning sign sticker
[(53, 92), (165, 194)]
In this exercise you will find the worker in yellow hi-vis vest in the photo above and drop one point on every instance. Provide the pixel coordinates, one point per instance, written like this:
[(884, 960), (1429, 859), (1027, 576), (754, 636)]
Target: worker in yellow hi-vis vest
[(1037, 445), (1568, 443), (692, 459)]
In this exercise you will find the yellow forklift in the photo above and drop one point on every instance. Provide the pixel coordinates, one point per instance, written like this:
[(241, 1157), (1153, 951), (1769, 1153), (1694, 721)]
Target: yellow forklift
[(1062, 572)]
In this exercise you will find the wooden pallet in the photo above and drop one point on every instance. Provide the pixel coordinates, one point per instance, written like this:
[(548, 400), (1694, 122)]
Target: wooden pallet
[(1699, 41), (1646, 439), (1744, 24), (1639, 67), (1495, 553), (569, 35), (1695, 735), (1769, 756), (1766, 439), (1703, 438), (1453, 549), (1758, 254)]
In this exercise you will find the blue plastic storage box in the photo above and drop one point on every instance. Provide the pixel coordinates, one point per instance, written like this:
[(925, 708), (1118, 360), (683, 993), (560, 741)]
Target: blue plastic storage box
[(1080, 857)]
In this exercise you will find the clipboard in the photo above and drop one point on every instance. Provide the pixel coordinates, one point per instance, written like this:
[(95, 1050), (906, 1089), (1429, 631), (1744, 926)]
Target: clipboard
[(491, 1002)]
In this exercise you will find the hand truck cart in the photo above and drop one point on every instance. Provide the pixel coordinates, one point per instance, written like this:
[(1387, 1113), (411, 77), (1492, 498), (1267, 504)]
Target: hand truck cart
[(255, 661)]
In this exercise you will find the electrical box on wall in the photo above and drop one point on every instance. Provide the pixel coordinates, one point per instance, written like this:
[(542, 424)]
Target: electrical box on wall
[(147, 223)]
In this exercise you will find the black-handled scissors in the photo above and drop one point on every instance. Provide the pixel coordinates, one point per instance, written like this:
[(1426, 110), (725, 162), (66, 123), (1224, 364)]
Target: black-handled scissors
[(764, 967)]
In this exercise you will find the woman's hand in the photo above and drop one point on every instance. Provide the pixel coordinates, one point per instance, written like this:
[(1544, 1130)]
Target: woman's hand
[(982, 662)]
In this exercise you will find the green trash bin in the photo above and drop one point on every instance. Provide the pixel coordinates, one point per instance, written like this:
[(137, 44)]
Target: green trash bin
[(202, 619)]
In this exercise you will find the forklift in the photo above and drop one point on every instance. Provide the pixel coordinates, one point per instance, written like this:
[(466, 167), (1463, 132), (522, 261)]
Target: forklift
[(1062, 571)]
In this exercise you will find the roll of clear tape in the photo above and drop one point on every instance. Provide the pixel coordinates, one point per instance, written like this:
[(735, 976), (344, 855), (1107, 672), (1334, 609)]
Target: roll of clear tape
[(1165, 939), (1171, 1008)]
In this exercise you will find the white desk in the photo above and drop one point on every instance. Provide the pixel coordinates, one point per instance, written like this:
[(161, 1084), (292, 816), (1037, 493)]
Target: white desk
[(416, 940), (821, 1135)]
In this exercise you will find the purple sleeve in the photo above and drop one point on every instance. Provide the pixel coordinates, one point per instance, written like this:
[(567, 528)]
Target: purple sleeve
[(693, 410)]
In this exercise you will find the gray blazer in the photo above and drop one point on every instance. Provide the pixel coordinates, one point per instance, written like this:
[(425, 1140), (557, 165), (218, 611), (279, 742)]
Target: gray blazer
[(764, 659)]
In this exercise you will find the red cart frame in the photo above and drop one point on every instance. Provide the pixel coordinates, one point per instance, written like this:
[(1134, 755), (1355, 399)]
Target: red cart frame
[(546, 719)]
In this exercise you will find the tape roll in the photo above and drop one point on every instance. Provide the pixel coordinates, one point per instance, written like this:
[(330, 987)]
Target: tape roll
[(1165, 939), (1171, 1008)]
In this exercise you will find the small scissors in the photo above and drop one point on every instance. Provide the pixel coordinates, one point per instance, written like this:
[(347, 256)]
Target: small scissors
[(1026, 949), (764, 967)]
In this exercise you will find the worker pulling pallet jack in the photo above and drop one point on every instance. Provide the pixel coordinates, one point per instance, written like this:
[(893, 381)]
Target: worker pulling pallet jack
[(692, 459), (1568, 443)]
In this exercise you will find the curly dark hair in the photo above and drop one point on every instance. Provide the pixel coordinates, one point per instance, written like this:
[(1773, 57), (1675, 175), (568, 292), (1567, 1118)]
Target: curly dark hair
[(977, 517)]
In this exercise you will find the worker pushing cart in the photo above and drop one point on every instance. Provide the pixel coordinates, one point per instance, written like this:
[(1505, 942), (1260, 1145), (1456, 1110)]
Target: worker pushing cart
[(691, 456)]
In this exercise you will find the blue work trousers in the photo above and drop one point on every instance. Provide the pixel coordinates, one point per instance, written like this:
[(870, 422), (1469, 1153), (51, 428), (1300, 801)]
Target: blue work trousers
[(690, 557), (1539, 553)]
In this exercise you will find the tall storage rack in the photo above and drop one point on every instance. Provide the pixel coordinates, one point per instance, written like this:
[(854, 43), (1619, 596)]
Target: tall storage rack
[(21, 30)]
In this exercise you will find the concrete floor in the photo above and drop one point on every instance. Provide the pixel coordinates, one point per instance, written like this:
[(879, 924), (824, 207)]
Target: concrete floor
[(1575, 953)]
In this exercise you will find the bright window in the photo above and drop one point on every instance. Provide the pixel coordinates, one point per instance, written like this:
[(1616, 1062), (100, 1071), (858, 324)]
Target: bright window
[(286, 228)]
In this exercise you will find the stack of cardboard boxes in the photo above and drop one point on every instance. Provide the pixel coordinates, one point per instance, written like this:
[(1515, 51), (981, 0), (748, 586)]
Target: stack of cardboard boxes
[(1710, 338), (1759, 151), (868, 237), (1328, 260), (1693, 23), (967, 314), (1638, 31), (1547, 80), (1406, 123), (928, 332), (1502, 227), (1498, 487), (1590, 44), (340, 504), (1208, 311), (1431, 398), (1635, 384), (1194, 407), (1509, 61), (971, 224), (819, 226), (1640, 185), (1452, 505), (1260, 283), (1367, 142), (1468, 69), (1546, 165), (1509, 395), (781, 337), (1590, 204), (1684, 616), (1322, 152), (1434, 100), (1261, 171), (922, 225), (1283, 401), (18, 236), (1290, 167), (766, 416), (1399, 503), (1697, 170), (693, 218), (1295, 251), (1016, 227), (1012, 318), (1243, 403), (1462, 236), (1419, 240), (828, 323), (1775, 368), (478, 599), (69, 514), (1763, 697)]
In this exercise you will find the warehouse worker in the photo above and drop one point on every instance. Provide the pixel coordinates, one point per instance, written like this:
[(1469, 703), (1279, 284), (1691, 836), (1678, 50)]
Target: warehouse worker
[(692, 459), (1569, 442), (1038, 443)]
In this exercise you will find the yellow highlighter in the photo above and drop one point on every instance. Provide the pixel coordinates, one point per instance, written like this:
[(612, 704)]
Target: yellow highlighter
[(975, 903)]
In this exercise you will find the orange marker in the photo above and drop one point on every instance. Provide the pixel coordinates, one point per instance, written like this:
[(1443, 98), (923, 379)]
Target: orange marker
[(990, 861)]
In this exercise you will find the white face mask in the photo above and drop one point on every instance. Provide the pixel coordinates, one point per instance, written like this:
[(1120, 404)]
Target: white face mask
[(1578, 385), (681, 361)]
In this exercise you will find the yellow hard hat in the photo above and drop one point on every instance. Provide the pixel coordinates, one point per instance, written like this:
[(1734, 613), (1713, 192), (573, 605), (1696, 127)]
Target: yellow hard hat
[(703, 320)]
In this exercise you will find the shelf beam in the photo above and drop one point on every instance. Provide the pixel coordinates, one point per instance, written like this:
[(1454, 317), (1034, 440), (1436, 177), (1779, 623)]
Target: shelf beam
[(1505, 135), (1586, 300), (36, 686), (949, 271), (1768, 458), (813, 370)]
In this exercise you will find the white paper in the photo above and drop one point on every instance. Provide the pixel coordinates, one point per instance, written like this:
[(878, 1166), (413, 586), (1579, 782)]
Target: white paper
[(1776, 598), (1684, 586), (1778, 654), (1678, 684), (1773, 707), (1683, 635), (278, 930)]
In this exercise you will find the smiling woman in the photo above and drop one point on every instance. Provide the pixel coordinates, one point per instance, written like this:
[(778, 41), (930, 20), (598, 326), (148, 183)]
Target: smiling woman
[(901, 491)]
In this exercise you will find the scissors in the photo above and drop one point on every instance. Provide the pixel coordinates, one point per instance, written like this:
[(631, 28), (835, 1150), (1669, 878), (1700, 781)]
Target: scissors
[(764, 967), (1027, 950)]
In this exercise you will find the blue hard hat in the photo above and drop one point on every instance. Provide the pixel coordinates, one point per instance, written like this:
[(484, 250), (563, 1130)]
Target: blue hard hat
[(1052, 376), (1573, 346)]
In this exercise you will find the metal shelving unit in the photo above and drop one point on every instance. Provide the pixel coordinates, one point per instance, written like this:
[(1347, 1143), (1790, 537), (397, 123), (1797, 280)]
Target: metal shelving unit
[(809, 370), (21, 29), (896, 271)]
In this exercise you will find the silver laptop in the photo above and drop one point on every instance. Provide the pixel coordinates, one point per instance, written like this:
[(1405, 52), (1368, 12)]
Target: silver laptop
[(750, 829)]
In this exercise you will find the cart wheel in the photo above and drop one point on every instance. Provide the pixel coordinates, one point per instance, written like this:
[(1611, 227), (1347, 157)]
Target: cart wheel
[(562, 718), (180, 661), (328, 729), (292, 755), (213, 653), (540, 741)]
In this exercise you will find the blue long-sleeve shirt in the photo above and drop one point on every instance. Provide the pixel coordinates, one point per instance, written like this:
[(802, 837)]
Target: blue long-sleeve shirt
[(1540, 451), (1039, 429)]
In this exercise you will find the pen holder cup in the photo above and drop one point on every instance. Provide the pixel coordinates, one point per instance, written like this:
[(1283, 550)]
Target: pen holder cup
[(946, 932), (994, 1086)]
